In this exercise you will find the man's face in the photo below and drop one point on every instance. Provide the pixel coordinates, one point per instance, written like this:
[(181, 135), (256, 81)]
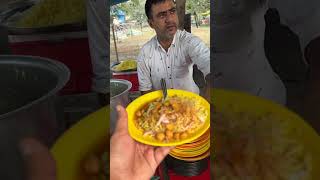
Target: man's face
[(164, 19)]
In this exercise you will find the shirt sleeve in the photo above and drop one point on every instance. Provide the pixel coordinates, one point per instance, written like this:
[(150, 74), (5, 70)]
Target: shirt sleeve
[(144, 77), (199, 54)]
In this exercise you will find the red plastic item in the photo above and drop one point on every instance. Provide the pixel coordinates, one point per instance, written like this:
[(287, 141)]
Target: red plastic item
[(130, 76)]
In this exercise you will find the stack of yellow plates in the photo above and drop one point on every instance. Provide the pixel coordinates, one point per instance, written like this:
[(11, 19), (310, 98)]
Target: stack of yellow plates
[(195, 150)]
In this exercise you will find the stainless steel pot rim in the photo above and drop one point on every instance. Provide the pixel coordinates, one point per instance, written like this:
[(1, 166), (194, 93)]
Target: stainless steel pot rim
[(63, 74), (123, 81)]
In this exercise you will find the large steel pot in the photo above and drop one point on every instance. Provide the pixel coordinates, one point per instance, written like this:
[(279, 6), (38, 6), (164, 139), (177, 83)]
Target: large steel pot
[(28, 92), (119, 93)]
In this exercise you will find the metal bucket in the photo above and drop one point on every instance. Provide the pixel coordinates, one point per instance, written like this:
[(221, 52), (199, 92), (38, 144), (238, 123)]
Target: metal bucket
[(119, 93), (29, 86)]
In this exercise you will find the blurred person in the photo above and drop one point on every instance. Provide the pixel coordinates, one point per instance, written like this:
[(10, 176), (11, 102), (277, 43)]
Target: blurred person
[(97, 24)]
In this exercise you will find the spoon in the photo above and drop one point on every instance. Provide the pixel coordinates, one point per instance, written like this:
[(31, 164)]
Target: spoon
[(164, 89)]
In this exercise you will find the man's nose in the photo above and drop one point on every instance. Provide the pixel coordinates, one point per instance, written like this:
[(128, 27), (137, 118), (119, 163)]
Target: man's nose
[(169, 18)]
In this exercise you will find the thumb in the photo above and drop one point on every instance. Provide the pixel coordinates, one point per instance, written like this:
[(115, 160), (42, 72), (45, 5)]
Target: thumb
[(161, 153), (122, 123), (39, 163)]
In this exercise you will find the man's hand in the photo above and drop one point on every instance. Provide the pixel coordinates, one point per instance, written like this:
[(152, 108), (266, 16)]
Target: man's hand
[(130, 159), (39, 163)]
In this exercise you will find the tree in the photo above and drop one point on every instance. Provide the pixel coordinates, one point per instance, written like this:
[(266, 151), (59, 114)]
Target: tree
[(135, 10), (181, 4), (198, 8)]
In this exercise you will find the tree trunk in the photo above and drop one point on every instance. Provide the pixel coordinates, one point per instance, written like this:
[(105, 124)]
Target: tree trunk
[(196, 18), (181, 4)]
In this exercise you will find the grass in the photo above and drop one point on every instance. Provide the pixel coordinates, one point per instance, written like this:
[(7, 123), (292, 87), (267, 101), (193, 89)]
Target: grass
[(129, 48)]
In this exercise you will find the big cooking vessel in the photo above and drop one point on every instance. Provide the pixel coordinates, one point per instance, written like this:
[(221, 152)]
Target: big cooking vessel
[(119, 95), (29, 87)]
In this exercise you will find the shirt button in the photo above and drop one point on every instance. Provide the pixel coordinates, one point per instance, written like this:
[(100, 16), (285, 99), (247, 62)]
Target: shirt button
[(168, 66)]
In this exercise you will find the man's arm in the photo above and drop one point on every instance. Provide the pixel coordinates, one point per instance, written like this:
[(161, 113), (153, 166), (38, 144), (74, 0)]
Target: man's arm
[(200, 56)]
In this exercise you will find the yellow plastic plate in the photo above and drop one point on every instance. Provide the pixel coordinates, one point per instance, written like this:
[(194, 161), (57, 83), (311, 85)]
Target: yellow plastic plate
[(193, 152), (137, 104), (88, 135), (246, 103), (192, 159)]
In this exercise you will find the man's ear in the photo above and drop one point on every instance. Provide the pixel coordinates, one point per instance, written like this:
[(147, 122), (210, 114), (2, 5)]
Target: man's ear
[(150, 22)]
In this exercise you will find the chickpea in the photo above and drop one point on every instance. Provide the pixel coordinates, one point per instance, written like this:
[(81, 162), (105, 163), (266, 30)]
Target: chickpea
[(190, 131), (172, 101), (169, 126), (183, 135), (176, 107), (176, 136), (160, 136), (92, 165), (188, 110), (138, 114), (169, 134), (194, 118)]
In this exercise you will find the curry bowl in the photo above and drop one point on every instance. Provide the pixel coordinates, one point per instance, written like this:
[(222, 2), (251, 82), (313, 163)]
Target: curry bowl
[(87, 137), (139, 135)]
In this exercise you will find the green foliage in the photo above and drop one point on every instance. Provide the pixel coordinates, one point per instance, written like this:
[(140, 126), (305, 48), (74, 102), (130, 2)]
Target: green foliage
[(134, 10), (201, 7)]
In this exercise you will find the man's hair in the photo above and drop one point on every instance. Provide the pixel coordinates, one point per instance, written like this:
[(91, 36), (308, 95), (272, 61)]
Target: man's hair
[(149, 4)]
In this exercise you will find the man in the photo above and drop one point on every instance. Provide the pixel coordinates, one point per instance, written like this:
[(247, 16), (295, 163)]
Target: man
[(172, 53), (97, 23)]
